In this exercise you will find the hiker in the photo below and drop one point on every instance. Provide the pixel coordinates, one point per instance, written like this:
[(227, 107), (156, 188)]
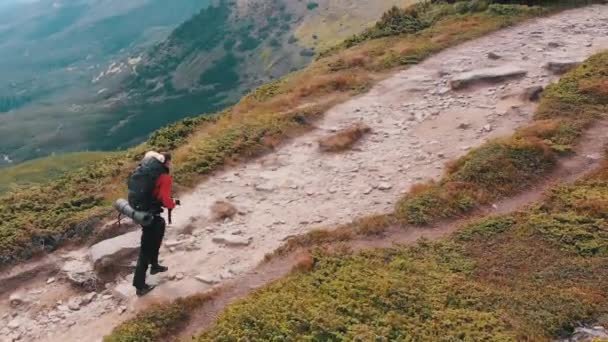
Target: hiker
[(149, 191)]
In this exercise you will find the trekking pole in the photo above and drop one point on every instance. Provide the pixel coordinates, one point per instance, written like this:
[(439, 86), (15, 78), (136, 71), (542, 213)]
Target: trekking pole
[(170, 212)]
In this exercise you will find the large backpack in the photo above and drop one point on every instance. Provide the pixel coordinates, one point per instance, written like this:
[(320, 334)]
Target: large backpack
[(141, 184)]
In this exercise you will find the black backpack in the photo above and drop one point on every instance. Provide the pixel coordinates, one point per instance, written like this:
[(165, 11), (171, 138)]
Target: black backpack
[(141, 185)]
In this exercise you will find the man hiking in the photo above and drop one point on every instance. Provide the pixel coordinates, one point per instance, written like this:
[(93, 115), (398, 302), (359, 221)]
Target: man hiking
[(149, 191)]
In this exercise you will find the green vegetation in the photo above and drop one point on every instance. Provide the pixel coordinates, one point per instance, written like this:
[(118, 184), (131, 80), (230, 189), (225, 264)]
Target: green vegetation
[(41, 217), (502, 167), (45, 169), (527, 276), (159, 321)]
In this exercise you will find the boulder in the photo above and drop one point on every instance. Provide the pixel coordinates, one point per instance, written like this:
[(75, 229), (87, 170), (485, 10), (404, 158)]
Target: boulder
[(487, 75), (231, 240), (112, 251), (559, 67)]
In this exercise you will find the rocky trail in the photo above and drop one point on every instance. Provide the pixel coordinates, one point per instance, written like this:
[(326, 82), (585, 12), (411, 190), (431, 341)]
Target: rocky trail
[(420, 118), (587, 158)]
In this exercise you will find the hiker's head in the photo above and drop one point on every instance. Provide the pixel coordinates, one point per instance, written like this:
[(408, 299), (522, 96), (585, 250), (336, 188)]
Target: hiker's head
[(167, 157), (164, 157)]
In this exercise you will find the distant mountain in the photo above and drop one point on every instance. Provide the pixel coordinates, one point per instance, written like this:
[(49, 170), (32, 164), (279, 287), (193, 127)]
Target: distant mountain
[(204, 65), (51, 49)]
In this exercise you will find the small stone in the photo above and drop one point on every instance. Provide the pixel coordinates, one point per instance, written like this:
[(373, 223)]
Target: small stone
[(487, 128), (106, 296), (74, 303), (88, 298), (559, 67), (206, 279), (179, 276), (554, 44), (16, 299), (14, 324), (494, 56), (385, 186), (368, 190), (332, 190), (464, 125), (50, 280), (173, 243), (230, 240), (266, 187), (122, 309)]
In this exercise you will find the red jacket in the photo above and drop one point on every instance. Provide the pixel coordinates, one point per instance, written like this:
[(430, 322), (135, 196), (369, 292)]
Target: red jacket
[(162, 191)]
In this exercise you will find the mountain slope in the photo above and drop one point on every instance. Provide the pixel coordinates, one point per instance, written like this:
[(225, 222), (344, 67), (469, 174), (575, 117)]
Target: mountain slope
[(50, 52), (206, 64)]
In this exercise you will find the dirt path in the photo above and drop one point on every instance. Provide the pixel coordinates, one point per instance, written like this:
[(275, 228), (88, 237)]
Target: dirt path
[(588, 158), (414, 117)]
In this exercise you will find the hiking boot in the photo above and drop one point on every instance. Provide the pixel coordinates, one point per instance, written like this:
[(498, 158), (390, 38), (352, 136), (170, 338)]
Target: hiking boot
[(144, 290), (158, 269)]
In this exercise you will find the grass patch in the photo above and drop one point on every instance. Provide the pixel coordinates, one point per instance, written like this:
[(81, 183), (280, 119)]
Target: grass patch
[(42, 170), (41, 217), (159, 321), (503, 167), (527, 276)]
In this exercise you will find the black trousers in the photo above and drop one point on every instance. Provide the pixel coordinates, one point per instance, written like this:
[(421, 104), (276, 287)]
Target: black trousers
[(151, 239)]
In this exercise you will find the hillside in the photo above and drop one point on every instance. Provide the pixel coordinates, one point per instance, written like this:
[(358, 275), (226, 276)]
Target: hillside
[(204, 65), (430, 99), (51, 50), (215, 58)]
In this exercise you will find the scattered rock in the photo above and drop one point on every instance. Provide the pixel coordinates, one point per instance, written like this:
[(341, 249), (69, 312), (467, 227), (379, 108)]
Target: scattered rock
[(344, 139), (124, 290), (113, 251), (494, 56), (206, 279), (16, 299), (173, 243), (122, 309), (50, 280), (14, 324), (265, 187), (74, 303), (368, 190), (559, 67), (554, 44), (221, 210), (80, 274), (587, 334), (532, 93), (179, 276), (88, 298), (464, 125), (231, 240), (487, 128), (497, 74), (384, 186)]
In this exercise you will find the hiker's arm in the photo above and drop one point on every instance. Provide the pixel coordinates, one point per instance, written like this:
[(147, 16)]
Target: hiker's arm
[(164, 191)]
